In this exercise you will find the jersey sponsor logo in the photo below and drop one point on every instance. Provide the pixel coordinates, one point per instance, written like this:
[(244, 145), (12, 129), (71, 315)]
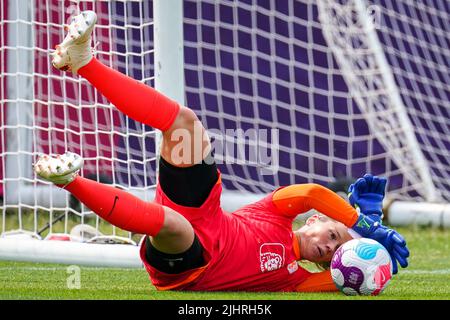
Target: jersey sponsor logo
[(271, 256), (292, 267)]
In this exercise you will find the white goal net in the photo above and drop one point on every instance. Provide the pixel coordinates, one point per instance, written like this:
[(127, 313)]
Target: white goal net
[(48, 111), (348, 87)]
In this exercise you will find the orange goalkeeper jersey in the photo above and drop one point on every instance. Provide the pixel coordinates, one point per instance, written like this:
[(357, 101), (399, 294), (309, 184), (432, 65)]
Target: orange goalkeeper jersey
[(253, 248)]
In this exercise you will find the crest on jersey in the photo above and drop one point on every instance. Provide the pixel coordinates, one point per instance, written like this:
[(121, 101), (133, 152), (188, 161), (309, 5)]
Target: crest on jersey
[(271, 256)]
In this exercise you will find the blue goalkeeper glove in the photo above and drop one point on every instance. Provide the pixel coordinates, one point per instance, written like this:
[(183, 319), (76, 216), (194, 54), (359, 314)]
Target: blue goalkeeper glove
[(367, 193), (393, 241)]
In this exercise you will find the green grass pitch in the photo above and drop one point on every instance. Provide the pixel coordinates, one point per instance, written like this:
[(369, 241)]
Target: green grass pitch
[(427, 277)]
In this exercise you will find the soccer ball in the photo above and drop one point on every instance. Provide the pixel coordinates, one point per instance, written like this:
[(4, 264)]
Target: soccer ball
[(361, 267)]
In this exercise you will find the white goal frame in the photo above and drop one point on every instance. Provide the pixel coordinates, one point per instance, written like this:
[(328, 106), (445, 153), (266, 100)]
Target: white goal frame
[(169, 79)]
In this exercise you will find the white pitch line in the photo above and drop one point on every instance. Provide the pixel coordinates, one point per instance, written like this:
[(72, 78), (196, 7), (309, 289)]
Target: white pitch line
[(65, 268), (439, 271)]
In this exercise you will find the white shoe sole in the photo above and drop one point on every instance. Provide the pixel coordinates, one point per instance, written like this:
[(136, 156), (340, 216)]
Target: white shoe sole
[(75, 50), (61, 169)]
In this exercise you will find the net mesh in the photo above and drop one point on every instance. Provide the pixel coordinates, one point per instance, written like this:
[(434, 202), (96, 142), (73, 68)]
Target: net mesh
[(69, 114), (267, 64)]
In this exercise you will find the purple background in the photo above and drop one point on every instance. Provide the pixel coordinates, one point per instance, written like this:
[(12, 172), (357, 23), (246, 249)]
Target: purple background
[(236, 65), (251, 64)]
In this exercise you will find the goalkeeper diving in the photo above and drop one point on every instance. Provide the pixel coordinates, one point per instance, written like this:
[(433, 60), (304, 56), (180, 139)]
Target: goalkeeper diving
[(191, 243)]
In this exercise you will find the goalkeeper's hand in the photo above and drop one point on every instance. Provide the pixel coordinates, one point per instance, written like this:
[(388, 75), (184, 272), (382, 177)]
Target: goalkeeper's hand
[(367, 193), (393, 241)]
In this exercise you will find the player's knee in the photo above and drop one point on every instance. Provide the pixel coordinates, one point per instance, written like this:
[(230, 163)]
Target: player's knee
[(181, 141), (175, 225), (186, 118), (176, 235)]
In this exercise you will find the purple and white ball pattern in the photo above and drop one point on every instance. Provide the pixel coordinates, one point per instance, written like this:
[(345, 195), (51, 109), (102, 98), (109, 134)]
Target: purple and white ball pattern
[(361, 267)]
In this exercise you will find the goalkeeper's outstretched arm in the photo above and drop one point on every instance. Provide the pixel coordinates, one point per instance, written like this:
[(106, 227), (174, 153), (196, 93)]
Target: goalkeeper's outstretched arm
[(300, 198)]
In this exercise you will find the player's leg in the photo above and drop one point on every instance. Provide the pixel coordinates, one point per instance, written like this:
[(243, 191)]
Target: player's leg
[(170, 231), (185, 141)]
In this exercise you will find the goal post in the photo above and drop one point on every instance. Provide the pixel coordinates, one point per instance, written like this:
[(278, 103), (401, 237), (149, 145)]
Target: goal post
[(18, 110), (19, 190), (290, 91), (350, 29), (350, 32)]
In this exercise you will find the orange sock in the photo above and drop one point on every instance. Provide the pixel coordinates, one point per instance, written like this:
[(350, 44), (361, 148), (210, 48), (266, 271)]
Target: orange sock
[(137, 100), (118, 207)]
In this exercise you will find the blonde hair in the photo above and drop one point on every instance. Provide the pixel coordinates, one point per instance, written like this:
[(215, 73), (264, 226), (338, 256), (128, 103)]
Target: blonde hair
[(324, 218)]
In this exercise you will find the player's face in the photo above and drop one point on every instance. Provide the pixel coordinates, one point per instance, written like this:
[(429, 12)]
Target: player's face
[(320, 239)]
